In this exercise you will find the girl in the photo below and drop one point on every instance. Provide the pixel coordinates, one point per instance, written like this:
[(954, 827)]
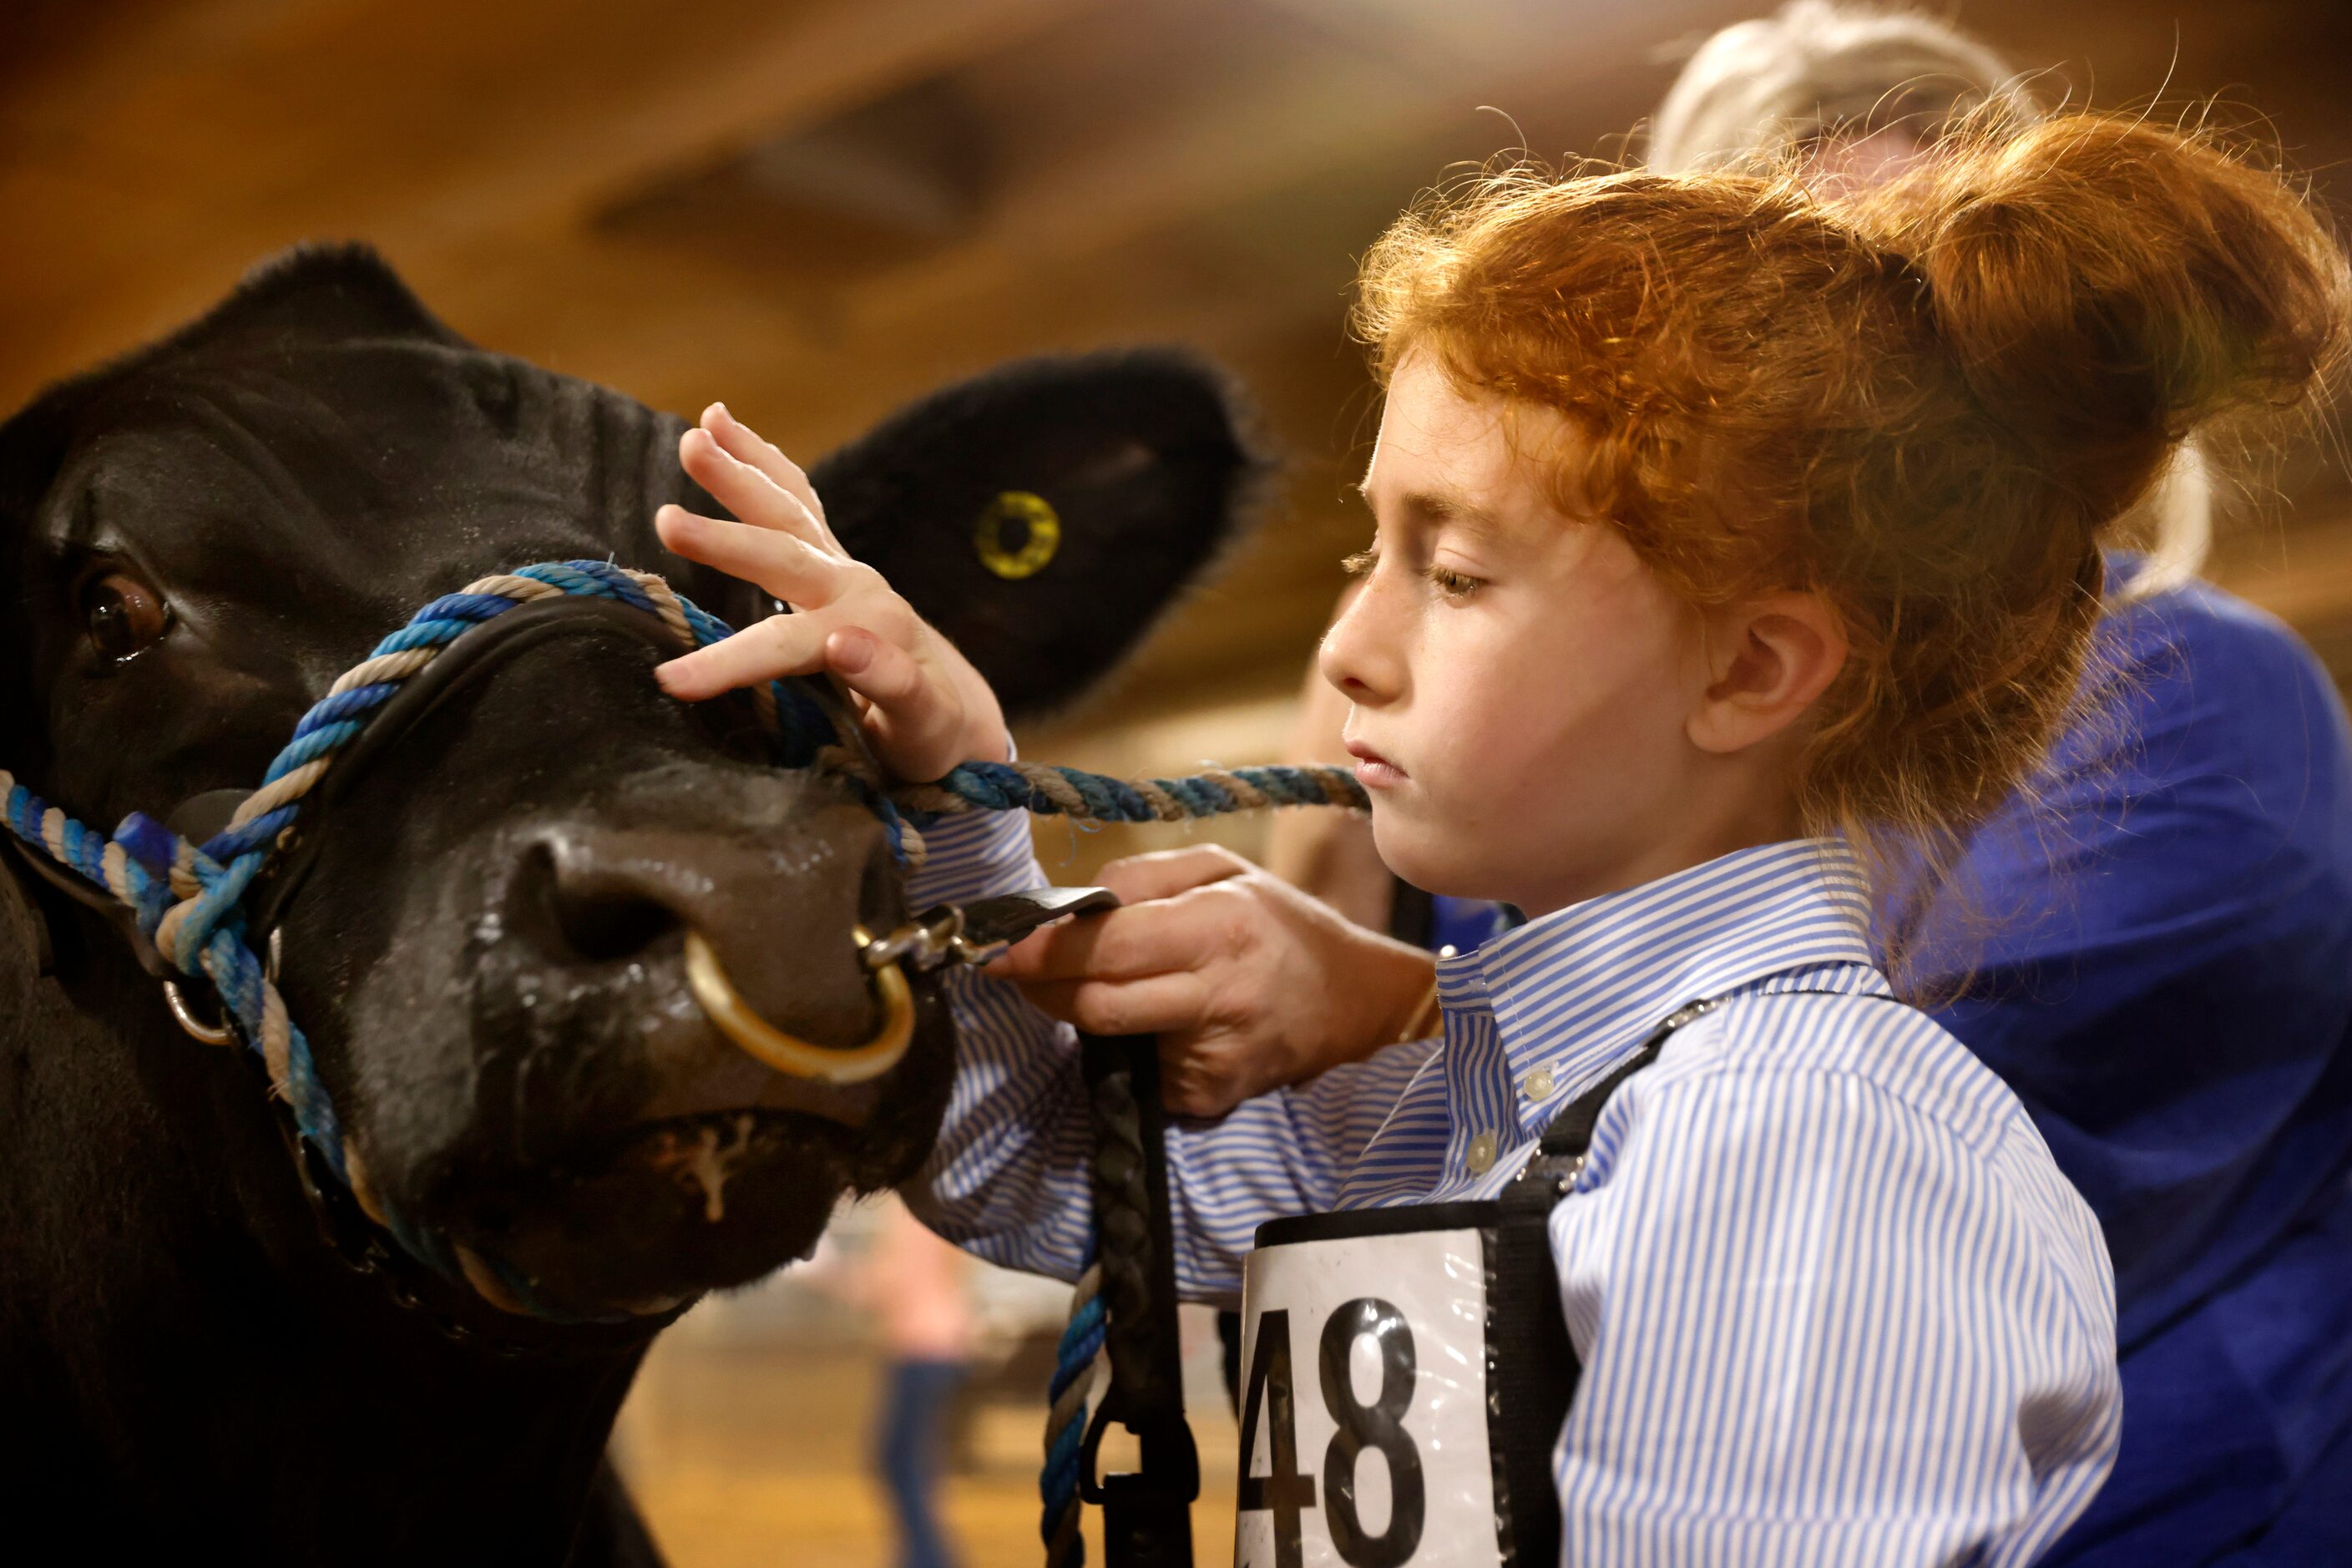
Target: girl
[(1731, 544)]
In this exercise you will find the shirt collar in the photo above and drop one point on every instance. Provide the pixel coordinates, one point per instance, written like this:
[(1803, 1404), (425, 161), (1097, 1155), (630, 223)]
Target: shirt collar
[(1578, 987)]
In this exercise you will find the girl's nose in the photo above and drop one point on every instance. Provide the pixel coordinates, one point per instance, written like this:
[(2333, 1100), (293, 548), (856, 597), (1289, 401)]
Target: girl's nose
[(1358, 652)]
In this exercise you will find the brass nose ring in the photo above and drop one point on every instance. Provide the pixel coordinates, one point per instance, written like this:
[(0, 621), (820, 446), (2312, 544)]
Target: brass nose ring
[(740, 1022)]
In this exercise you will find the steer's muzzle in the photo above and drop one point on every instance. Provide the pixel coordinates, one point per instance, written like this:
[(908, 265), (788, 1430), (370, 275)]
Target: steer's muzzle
[(626, 1148), (764, 931)]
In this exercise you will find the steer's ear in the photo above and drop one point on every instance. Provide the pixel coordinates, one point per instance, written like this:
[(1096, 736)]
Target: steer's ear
[(1045, 514), (314, 294)]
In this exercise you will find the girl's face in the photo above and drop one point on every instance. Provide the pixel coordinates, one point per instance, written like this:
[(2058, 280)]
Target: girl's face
[(1522, 684)]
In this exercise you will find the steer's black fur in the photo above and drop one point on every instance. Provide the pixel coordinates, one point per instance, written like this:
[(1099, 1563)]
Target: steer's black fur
[(485, 962)]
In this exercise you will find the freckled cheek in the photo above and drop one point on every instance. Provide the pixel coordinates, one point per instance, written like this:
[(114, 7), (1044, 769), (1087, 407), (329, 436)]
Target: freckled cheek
[(1467, 734), (1486, 741)]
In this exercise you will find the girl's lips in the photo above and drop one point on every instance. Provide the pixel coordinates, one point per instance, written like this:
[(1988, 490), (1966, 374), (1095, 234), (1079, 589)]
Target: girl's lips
[(1374, 771)]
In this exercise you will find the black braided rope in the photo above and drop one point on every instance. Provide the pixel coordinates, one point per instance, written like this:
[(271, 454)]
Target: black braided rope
[(1125, 1214), (1147, 1520)]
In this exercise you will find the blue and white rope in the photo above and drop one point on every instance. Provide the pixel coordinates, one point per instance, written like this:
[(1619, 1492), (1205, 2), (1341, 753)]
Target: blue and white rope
[(1066, 1423), (1067, 792)]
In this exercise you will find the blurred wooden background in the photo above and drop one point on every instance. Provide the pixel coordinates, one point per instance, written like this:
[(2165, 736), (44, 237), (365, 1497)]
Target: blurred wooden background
[(819, 208)]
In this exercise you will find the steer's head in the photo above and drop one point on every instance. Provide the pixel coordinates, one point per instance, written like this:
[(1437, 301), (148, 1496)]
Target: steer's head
[(486, 943)]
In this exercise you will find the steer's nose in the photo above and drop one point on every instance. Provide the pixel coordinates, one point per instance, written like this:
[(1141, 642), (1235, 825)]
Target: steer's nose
[(777, 906)]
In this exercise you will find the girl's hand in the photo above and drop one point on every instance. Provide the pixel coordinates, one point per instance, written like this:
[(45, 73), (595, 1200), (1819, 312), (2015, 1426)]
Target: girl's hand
[(1249, 982), (924, 708)]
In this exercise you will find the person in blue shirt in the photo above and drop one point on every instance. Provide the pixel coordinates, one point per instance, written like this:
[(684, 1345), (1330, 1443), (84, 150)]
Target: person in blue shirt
[(2159, 963)]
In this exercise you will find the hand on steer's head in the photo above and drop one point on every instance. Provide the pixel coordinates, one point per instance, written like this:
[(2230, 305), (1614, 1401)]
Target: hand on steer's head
[(924, 707)]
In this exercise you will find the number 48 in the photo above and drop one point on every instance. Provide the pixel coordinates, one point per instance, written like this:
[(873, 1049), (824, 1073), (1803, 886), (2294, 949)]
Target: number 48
[(1287, 1493)]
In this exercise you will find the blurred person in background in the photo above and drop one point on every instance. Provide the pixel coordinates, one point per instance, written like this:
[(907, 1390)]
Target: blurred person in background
[(918, 1287), (916, 1291), (2153, 949)]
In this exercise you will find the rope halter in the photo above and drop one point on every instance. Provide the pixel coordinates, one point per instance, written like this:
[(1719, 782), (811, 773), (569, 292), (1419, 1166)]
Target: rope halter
[(197, 902)]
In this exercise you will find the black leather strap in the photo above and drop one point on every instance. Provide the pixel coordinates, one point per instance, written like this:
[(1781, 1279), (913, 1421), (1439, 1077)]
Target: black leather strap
[(1559, 1154), (73, 885), (1532, 1362)]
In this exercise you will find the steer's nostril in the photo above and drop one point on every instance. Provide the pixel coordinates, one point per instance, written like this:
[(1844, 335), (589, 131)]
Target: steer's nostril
[(611, 915), (604, 917), (610, 924)]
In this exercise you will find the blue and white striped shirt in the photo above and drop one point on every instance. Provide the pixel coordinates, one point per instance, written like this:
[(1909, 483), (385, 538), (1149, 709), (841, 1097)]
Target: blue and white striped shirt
[(1833, 1301)]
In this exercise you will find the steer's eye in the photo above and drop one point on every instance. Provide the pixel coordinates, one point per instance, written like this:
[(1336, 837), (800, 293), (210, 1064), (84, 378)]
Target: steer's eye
[(122, 614)]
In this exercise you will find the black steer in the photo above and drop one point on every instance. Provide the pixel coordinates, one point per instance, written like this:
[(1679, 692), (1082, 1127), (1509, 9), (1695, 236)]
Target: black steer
[(485, 949)]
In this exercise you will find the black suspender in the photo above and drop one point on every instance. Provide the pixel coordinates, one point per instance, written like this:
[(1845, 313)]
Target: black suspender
[(1559, 1155)]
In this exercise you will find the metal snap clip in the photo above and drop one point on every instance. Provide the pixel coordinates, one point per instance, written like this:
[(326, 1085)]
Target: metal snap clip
[(218, 1033)]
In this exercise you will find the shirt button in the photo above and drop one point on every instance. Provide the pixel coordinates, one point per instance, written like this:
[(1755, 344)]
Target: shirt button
[(1537, 1085), (1482, 1154), (1445, 951)]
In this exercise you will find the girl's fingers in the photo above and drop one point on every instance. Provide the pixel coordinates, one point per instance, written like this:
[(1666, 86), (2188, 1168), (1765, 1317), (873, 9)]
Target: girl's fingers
[(747, 445), (885, 675), (785, 564), (910, 716), (775, 647), (744, 490)]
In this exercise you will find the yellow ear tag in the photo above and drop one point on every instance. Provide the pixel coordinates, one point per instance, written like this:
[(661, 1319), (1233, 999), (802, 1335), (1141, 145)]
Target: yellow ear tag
[(1017, 515)]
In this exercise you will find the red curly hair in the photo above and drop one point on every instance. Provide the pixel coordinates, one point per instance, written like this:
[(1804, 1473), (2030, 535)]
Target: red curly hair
[(1925, 403)]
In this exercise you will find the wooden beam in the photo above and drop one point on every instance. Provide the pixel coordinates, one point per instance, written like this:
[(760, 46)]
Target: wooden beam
[(1188, 142), (156, 171)]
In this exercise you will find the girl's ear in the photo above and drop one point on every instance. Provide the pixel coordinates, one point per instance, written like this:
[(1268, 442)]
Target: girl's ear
[(1768, 661)]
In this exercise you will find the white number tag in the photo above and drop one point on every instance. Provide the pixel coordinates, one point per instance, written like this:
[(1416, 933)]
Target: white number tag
[(1363, 1437)]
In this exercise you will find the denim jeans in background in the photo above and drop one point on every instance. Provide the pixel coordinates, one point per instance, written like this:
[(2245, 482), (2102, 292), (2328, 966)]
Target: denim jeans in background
[(912, 1451)]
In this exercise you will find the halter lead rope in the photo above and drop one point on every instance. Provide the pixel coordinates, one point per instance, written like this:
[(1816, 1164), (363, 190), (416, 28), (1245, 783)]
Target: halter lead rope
[(190, 901)]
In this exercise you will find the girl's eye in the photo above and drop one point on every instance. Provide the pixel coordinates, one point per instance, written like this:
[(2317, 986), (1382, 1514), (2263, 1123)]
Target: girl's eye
[(1360, 563), (123, 615), (1454, 584)]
